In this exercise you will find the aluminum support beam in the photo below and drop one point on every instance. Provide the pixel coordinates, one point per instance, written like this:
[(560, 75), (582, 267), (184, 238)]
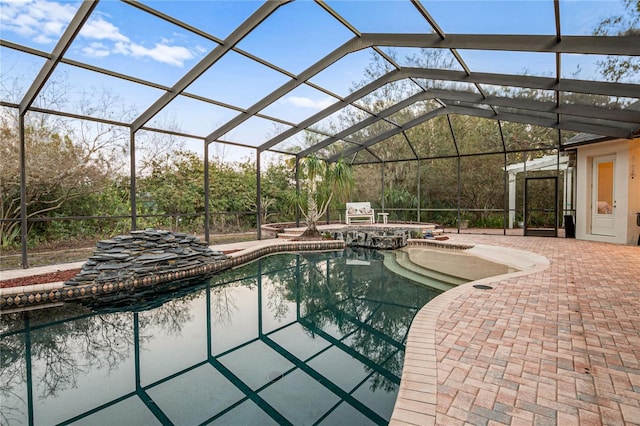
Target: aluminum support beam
[(42, 54), (132, 179), (381, 186), (297, 191), (616, 132), (207, 196), (406, 138), (425, 14), (591, 45), (454, 156), (392, 132), (366, 122), (334, 56), (338, 17), (258, 196), (387, 78), (419, 196), (118, 123), (154, 85), (478, 112), (576, 126), (527, 81), (234, 38), (628, 115), (204, 34), (58, 52), (544, 83), (455, 143), (441, 34), (23, 191), (504, 184), (625, 115)]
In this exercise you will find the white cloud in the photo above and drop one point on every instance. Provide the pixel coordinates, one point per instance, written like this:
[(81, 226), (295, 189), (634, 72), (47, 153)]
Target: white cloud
[(53, 27), (22, 24), (121, 48), (52, 11), (96, 50), (304, 102), (44, 21), (41, 20), (43, 39), (99, 29), (172, 55)]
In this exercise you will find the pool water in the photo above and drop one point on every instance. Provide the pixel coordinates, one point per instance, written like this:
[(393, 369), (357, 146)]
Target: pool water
[(298, 339)]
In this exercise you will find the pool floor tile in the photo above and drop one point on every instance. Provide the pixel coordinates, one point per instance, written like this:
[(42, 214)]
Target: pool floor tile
[(242, 363), (299, 398), (246, 413), (297, 340), (194, 396), (372, 393), (340, 368), (345, 414), (131, 411)]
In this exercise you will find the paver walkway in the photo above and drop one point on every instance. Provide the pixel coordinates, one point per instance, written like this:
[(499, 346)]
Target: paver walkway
[(556, 347)]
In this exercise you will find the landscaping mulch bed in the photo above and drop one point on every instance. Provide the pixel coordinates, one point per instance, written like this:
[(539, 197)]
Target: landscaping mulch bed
[(40, 279)]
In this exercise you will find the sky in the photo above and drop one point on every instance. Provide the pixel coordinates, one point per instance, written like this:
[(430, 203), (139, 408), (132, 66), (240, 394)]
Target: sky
[(126, 40)]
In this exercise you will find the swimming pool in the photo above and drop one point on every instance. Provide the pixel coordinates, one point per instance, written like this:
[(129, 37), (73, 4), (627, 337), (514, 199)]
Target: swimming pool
[(288, 339)]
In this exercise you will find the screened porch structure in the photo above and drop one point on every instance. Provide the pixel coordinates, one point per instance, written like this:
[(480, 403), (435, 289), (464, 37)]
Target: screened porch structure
[(524, 66)]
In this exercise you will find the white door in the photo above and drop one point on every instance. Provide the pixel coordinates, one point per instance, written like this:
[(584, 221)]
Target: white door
[(603, 202)]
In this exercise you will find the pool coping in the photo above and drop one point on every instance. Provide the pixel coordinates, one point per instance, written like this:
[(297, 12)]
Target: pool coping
[(53, 294), (418, 393)]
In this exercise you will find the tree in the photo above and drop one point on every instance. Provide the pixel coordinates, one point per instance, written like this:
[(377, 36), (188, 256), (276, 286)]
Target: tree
[(320, 181), (175, 185), (276, 191), (58, 170), (67, 160), (620, 68)]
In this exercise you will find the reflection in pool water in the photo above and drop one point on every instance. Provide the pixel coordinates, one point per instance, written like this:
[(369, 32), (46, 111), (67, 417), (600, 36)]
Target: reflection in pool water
[(289, 339)]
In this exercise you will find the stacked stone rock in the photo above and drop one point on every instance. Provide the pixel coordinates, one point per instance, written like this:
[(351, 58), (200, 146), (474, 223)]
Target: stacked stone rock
[(144, 253), (377, 238)]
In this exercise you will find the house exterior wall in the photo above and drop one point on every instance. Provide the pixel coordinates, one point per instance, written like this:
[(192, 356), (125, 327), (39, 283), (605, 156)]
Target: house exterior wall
[(626, 190)]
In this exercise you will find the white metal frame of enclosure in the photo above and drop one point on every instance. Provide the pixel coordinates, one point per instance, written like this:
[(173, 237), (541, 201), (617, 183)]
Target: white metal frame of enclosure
[(603, 122)]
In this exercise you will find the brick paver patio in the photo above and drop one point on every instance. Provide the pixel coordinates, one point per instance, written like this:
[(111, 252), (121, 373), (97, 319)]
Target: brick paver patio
[(559, 347)]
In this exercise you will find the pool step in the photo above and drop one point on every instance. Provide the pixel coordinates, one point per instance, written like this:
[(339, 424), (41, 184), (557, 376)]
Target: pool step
[(403, 259), (392, 264)]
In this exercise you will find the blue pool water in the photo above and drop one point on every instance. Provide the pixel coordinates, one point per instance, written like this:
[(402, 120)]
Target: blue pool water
[(298, 339)]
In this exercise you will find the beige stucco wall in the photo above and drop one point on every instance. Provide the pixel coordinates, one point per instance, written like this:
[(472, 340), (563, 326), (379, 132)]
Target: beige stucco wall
[(627, 190)]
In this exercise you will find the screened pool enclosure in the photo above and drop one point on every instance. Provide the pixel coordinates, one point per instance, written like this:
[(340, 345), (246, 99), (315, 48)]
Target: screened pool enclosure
[(433, 103)]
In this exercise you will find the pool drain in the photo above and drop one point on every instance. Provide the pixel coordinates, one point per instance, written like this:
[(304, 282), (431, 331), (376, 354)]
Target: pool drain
[(483, 287)]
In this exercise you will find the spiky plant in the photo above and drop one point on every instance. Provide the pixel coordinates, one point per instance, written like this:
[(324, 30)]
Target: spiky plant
[(320, 182)]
